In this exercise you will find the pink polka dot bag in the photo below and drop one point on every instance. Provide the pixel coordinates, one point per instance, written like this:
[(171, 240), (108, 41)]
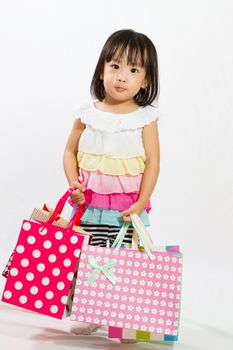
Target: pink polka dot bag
[(44, 265)]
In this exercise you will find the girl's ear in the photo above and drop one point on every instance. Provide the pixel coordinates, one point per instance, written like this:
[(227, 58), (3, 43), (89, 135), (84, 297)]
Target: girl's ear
[(144, 84), (101, 76)]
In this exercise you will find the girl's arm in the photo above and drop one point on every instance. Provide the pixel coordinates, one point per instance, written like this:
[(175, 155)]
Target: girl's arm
[(151, 172), (70, 162), (152, 165)]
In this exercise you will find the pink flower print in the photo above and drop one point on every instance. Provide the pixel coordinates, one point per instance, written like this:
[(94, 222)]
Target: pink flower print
[(137, 318), (162, 312), (138, 308), (160, 321)]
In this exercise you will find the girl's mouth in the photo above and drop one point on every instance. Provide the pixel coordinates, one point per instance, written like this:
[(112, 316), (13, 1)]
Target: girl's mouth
[(119, 88)]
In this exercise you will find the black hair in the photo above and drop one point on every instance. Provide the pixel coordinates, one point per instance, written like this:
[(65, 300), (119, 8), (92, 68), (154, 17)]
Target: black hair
[(139, 49)]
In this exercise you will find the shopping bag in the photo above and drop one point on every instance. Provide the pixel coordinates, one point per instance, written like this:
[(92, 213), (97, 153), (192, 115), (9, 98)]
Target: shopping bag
[(137, 290), (43, 215), (123, 333), (44, 264)]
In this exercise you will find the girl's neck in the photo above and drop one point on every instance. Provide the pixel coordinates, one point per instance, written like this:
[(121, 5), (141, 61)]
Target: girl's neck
[(114, 106)]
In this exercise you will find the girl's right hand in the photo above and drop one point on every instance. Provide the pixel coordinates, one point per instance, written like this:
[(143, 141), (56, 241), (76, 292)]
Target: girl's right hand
[(77, 196)]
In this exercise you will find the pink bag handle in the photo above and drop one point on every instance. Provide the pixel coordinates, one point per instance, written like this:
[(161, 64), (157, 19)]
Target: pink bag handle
[(75, 220), (60, 205)]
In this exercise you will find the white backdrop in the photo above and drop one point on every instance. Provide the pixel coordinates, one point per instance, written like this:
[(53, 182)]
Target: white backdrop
[(48, 53)]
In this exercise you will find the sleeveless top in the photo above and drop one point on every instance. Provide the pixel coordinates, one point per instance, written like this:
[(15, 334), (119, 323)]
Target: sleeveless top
[(111, 161)]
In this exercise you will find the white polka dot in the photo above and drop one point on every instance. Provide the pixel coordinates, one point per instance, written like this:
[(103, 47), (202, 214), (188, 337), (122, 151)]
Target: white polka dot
[(30, 276), (24, 262), (18, 285), (31, 239), (49, 295), (77, 253), (34, 290), (52, 258), (67, 262), (74, 239), (36, 253), (59, 235), (63, 248), (23, 299), (27, 226), (47, 244), (56, 271), (60, 285), (40, 267), (38, 304), (45, 281), (70, 276), (20, 249), (7, 294), (42, 231), (14, 271), (64, 299), (54, 309)]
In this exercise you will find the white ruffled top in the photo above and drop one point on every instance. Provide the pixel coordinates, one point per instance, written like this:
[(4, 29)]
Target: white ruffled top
[(114, 135)]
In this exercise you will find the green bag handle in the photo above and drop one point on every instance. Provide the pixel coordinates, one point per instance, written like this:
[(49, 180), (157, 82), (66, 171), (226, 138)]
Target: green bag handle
[(143, 234)]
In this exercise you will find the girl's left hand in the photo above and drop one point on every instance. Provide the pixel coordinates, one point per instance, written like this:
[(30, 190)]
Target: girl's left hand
[(136, 208)]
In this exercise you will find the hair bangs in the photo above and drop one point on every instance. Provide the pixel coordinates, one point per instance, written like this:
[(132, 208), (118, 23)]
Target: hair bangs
[(133, 52)]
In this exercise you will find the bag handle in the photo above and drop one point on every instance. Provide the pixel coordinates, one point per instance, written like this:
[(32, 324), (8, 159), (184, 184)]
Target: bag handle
[(75, 220), (143, 234)]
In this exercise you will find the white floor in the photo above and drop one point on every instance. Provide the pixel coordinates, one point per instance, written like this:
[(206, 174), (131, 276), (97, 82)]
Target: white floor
[(21, 329)]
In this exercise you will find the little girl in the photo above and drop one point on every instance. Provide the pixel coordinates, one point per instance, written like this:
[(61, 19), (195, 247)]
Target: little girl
[(112, 154)]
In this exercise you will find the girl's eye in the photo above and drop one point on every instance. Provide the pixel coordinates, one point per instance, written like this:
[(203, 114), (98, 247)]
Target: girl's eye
[(134, 70), (115, 66)]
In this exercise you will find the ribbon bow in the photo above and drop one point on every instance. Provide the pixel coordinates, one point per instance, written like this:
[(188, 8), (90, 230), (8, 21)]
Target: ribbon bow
[(105, 269)]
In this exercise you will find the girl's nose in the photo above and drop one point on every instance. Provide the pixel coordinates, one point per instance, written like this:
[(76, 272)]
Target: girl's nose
[(121, 77)]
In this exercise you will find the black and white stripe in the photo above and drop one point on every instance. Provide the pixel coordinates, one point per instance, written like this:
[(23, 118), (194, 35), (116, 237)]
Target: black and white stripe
[(105, 235)]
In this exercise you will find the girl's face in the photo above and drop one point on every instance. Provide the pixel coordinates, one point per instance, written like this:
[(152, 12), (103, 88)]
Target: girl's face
[(122, 81)]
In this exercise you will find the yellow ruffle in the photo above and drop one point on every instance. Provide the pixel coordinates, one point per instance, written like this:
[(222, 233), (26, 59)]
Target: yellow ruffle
[(111, 166)]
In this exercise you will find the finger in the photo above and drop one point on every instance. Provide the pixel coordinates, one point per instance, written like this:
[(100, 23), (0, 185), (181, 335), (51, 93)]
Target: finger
[(126, 218), (78, 197), (77, 185)]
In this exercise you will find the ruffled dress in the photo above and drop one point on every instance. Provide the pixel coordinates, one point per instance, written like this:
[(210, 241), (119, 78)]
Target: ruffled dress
[(111, 161)]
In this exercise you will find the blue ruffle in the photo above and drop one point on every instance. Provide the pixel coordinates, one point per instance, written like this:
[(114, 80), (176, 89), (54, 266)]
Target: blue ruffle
[(99, 216)]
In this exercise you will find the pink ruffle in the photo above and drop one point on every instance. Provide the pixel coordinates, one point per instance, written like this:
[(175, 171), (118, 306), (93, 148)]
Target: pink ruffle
[(115, 201), (106, 184)]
